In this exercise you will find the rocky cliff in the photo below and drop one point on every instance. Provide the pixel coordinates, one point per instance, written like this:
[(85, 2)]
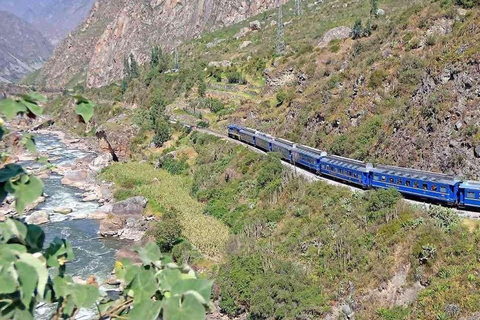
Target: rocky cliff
[(94, 52), (53, 18), (23, 49)]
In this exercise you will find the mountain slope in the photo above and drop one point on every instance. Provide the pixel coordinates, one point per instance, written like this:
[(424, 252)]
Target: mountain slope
[(54, 18), (114, 29), (23, 49)]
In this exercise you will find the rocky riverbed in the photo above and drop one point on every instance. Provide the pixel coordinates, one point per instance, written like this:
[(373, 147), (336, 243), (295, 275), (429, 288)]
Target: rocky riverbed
[(79, 208)]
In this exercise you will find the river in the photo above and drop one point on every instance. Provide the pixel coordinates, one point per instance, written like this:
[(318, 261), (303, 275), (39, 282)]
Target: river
[(93, 255)]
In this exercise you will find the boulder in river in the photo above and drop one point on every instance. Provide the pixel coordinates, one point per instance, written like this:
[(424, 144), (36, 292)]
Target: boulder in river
[(38, 217), (63, 210), (102, 212), (112, 225), (131, 206), (101, 162)]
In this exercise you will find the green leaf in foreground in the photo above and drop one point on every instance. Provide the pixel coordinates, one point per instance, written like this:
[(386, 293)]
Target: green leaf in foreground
[(146, 310), (29, 142), (10, 108), (148, 254), (84, 296), (10, 171), (188, 309), (26, 190), (33, 107)]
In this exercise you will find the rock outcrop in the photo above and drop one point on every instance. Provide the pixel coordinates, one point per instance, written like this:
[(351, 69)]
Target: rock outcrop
[(116, 28), (124, 219)]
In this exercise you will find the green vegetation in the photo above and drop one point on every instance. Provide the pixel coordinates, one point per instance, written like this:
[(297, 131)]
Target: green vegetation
[(31, 274), (166, 192)]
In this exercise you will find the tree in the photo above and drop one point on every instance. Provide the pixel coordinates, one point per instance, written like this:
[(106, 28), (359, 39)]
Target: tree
[(357, 30), (373, 8), (157, 107), (162, 133), (298, 7), (126, 68), (134, 70), (177, 63), (280, 46), (155, 57), (202, 88)]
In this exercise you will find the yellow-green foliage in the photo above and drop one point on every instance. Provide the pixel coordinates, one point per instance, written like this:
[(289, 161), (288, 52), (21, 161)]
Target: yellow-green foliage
[(166, 191)]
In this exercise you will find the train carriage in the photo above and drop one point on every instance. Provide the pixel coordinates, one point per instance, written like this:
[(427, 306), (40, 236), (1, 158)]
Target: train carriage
[(469, 194), (284, 147), (349, 170), (263, 141), (307, 157), (435, 186), (247, 135), (234, 131)]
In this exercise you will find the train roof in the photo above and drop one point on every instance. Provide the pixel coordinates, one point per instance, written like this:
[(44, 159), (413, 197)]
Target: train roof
[(310, 151), (283, 141), (417, 174), (263, 135), (347, 163), (475, 185), (248, 130)]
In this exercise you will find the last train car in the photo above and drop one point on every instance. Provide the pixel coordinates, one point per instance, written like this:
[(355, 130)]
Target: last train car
[(284, 147), (247, 135), (427, 185), (349, 170), (234, 131), (469, 194), (263, 141), (307, 157)]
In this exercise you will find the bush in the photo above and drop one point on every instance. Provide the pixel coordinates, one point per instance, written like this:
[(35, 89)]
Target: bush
[(162, 133), (467, 3), (377, 78), (380, 201), (270, 175), (167, 231), (235, 77), (184, 253), (285, 97), (172, 165), (411, 70)]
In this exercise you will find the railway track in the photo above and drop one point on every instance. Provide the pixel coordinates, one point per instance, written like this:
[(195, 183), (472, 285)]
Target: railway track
[(310, 176)]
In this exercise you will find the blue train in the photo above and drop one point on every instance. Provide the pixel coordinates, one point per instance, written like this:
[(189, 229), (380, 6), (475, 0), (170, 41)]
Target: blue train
[(434, 187)]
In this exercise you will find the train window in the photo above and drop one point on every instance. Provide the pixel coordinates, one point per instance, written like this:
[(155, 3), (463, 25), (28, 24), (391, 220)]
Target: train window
[(390, 180), (415, 184), (434, 187), (384, 178), (425, 186), (355, 175), (407, 183), (350, 173), (376, 177), (471, 195), (399, 181), (443, 189)]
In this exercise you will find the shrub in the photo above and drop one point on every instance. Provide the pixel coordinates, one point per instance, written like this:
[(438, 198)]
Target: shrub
[(184, 253), (167, 231), (162, 133), (172, 165), (284, 97), (202, 88), (357, 30), (203, 124), (270, 175), (467, 3), (411, 70), (430, 40), (235, 77), (377, 78), (380, 201)]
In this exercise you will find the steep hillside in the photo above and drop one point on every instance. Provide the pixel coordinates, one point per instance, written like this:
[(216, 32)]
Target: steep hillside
[(115, 29), (23, 49), (53, 18)]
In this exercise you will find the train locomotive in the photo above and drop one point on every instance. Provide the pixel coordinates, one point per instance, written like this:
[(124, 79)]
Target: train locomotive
[(434, 187)]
